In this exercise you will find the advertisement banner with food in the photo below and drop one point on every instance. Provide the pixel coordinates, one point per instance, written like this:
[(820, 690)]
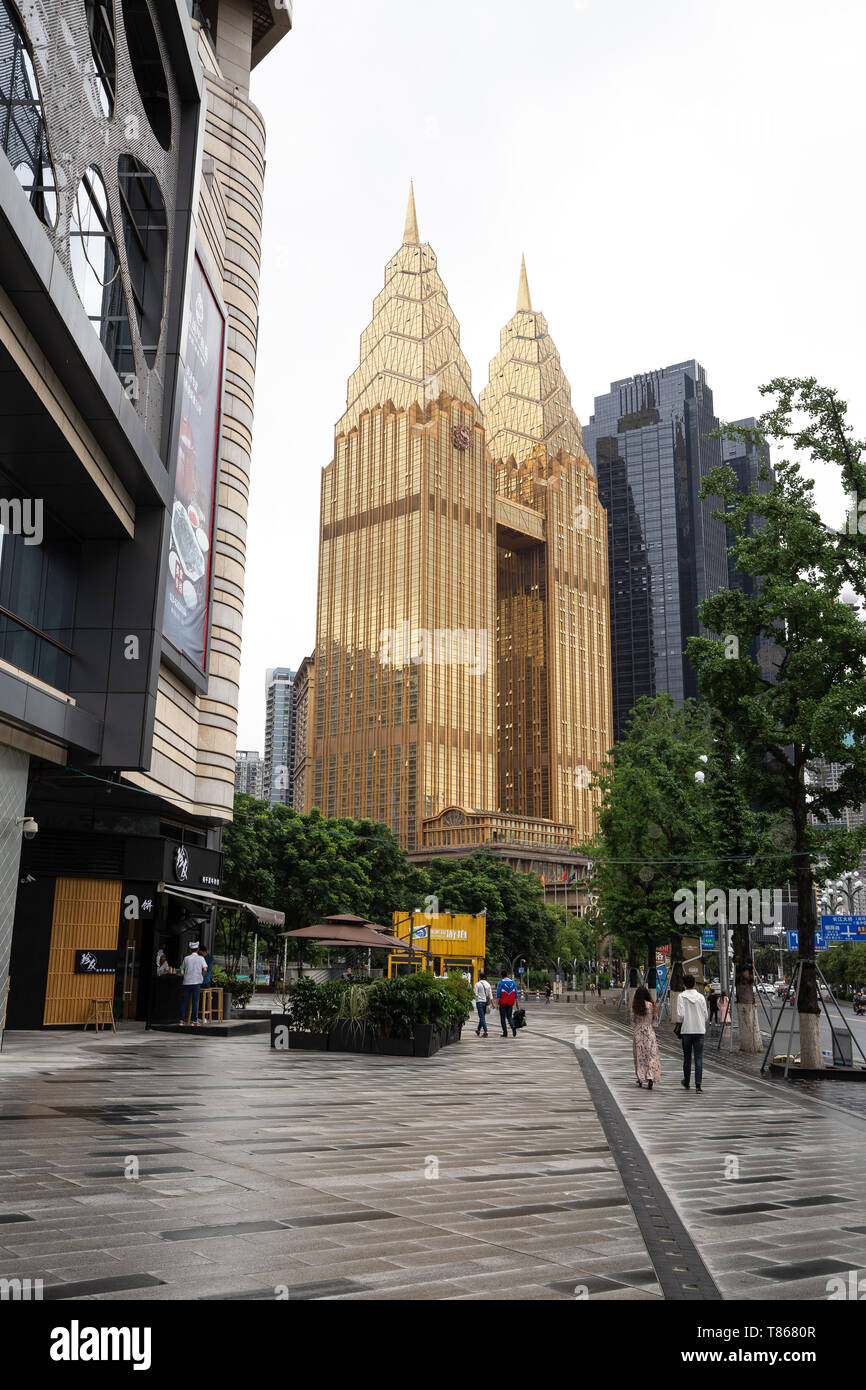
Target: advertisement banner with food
[(192, 518)]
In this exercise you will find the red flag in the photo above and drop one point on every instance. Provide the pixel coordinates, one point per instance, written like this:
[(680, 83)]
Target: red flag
[(564, 876), (542, 881)]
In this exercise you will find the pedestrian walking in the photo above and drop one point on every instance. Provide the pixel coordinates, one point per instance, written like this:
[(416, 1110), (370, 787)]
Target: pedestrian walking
[(691, 1024), (506, 996), (194, 969), (548, 990), (713, 1006), (644, 1020), (598, 986), (724, 1007), (483, 999)]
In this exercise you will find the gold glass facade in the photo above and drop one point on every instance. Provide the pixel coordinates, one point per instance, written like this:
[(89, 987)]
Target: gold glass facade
[(446, 577), (554, 724), (405, 685)]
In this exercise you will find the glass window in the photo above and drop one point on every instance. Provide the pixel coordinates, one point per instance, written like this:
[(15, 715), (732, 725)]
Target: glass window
[(147, 68), (100, 26), (145, 237), (96, 270), (39, 565), (22, 130)]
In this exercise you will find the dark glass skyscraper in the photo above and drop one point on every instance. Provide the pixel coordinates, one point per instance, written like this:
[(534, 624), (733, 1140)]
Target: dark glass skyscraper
[(648, 441)]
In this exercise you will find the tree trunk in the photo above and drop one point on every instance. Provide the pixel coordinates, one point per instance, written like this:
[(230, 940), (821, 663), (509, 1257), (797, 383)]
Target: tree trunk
[(748, 1022), (651, 971), (677, 985), (633, 976), (808, 1006)]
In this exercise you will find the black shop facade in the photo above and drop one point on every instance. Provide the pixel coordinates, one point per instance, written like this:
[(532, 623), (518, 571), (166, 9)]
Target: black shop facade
[(94, 911)]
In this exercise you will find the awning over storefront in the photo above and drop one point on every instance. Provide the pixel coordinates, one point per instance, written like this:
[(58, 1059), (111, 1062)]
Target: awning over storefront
[(267, 915)]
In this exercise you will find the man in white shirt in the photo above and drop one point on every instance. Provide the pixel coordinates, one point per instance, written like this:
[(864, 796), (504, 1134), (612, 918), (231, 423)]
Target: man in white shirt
[(194, 969), (483, 997), (692, 1014)]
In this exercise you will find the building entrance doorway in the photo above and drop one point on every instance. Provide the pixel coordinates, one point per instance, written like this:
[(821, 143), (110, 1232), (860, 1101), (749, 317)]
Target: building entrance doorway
[(128, 977)]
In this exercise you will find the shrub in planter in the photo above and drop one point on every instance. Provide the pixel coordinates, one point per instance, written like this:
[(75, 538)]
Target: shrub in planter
[(392, 1008), (312, 1007), (237, 991), (350, 1031)]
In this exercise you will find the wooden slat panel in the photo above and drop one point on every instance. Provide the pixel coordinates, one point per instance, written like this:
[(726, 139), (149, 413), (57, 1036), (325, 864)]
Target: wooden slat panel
[(86, 917)]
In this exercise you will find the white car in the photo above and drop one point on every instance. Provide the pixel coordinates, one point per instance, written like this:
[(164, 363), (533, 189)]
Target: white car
[(764, 988)]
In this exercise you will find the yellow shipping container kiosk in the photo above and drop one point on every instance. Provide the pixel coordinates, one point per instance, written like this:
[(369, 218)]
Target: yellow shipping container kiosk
[(449, 941)]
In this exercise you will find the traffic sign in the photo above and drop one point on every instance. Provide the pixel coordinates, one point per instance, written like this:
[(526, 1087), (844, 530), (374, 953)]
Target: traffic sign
[(839, 927), (708, 938), (821, 942)]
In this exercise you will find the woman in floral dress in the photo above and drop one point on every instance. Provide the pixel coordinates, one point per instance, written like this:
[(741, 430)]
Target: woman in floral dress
[(644, 1017)]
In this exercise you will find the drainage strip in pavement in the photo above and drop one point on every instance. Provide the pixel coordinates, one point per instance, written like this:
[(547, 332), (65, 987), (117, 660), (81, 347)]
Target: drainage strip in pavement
[(682, 1274)]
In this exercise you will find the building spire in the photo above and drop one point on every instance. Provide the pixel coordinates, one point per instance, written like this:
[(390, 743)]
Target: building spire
[(523, 300), (410, 234)]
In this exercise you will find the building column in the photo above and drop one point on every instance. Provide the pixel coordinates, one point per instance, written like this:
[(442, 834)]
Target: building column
[(14, 766)]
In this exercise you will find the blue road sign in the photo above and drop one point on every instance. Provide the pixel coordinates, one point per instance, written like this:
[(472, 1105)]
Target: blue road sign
[(520, 969), (838, 927), (821, 942), (708, 938)]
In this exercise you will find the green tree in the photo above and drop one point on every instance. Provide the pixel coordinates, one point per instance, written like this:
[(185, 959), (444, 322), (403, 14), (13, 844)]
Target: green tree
[(650, 828), (736, 838), (518, 920), (811, 703), (309, 867)]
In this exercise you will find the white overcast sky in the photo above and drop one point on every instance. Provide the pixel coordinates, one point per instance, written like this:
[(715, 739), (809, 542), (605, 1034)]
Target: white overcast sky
[(684, 176)]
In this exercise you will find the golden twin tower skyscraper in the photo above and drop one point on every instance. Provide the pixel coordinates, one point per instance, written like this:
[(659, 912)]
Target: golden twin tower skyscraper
[(462, 659)]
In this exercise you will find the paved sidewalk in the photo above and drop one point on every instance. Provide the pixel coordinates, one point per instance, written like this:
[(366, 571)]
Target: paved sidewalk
[(482, 1173), (768, 1179), (311, 1174)]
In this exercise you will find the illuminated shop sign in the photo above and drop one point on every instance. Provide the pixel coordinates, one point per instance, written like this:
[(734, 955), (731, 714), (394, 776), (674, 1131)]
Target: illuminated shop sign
[(190, 552)]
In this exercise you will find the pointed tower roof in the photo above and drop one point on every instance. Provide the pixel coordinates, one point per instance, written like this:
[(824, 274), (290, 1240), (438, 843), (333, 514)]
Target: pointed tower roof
[(523, 300), (410, 233), (528, 399), (410, 351)]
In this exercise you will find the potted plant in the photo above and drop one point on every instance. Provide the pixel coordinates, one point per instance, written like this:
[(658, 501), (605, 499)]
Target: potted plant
[(279, 1017), (222, 980), (349, 1031), (431, 1012), (312, 1009), (391, 1011)]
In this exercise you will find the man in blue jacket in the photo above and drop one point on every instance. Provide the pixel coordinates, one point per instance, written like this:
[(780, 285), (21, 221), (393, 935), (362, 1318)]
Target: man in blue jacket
[(506, 994)]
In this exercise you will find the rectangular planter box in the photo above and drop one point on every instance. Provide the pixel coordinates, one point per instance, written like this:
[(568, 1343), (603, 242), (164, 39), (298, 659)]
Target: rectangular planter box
[(284, 1037), (428, 1039), (310, 1042), (394, 1047), (344, 1037)]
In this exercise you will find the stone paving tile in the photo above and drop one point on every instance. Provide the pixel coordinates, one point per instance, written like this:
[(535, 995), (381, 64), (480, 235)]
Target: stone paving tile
[(427, 1235), (272, 1137), (750, 1116)]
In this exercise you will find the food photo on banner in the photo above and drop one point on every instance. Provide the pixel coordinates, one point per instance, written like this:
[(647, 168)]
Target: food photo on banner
[(192, 520)]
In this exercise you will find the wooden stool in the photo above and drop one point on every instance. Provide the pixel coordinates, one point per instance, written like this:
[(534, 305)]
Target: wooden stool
[(211, 1005), (100, 1013)]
